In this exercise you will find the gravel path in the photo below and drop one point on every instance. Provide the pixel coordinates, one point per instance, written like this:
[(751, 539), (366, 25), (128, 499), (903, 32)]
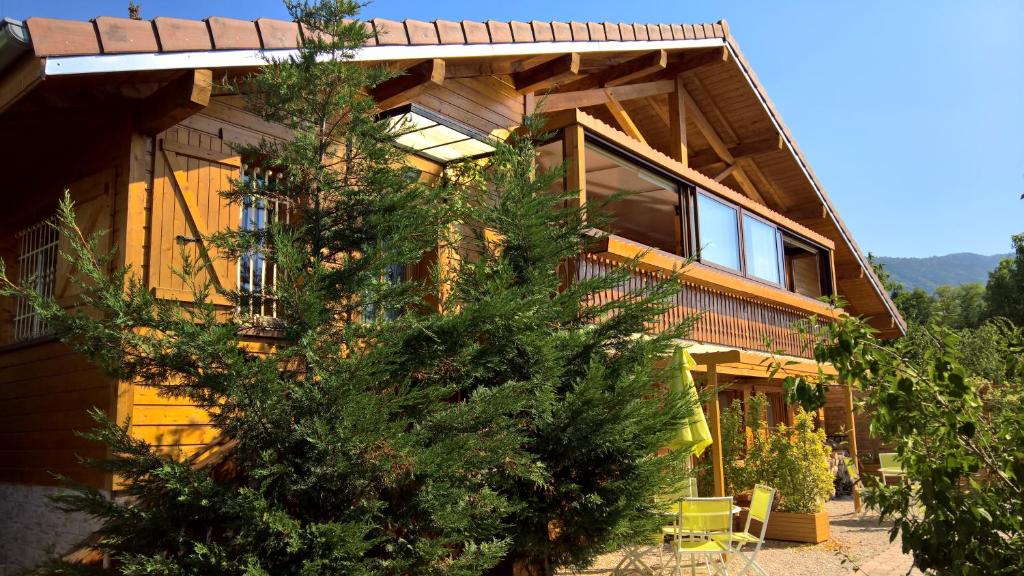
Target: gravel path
[(855, 541)]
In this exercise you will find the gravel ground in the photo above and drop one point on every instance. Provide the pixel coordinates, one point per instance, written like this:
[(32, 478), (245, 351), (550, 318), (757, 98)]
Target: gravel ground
[(854, 541)]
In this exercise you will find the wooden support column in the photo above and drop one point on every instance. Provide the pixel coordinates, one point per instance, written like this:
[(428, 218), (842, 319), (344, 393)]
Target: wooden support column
[(677, 123), (714, 422), (574, 153), (851, 439)]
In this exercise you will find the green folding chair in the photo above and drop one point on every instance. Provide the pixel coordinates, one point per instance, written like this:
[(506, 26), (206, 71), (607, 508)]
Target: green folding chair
[(890, 466), (760, 508), (699, 519)]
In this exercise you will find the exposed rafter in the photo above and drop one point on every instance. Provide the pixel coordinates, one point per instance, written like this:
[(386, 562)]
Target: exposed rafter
[(548, 74), (622, 117), (809, 214), (687, 61), (623, 73), (416, 80), (728, 170), (740, 151), (599, 96), (177, 100)]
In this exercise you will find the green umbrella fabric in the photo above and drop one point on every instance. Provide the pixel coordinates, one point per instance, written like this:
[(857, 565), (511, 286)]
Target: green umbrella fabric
[(694, 436)]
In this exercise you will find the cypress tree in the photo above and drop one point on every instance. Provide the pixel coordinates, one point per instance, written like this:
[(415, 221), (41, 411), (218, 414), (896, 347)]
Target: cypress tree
[(513, 426)]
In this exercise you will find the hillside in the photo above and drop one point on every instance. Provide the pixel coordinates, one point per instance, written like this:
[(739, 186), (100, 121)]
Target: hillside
[(951, 269)]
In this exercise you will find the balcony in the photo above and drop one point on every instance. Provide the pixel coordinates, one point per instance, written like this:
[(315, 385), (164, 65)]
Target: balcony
[(734, 312), (750, 272)]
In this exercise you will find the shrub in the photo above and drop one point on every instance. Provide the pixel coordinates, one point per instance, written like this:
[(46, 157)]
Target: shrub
[(794, 461)]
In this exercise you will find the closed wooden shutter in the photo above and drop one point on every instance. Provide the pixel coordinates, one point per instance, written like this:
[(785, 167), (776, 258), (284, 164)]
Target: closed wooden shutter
[(191, 171)]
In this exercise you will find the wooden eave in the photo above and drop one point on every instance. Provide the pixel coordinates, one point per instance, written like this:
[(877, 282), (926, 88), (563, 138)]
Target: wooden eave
[(758, 364)]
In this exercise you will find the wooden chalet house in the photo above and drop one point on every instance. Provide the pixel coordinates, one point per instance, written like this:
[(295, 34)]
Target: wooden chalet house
[(122, 113)]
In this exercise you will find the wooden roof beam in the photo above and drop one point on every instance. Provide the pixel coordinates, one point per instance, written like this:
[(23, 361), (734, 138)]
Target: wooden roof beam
[(809, 214), (175, 101), (622, 117), (641, 66), (687, 61), (548, 74), (415, 80), (740, 151), (599, 96)]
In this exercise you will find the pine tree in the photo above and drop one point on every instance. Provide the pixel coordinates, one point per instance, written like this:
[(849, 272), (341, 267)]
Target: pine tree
[(514, 427)]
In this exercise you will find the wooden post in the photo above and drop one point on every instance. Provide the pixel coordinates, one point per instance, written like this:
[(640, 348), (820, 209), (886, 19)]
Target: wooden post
[(574, 152), (714, 422), (851, 439), (677, 122)]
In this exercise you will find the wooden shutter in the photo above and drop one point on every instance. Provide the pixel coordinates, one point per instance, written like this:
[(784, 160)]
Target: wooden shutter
[(191, 170)]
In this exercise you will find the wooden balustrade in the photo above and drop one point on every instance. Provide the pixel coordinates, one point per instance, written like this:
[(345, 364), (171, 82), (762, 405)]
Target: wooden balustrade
[(727, 318)]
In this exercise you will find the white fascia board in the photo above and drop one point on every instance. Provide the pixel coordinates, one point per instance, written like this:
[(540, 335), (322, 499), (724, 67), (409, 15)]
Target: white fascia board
[(107, 63)]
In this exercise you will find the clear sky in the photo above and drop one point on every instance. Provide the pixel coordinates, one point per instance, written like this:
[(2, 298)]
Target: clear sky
[(911, 112)]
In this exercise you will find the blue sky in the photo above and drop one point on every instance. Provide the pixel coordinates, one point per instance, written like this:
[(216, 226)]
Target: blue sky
[(911, 113)]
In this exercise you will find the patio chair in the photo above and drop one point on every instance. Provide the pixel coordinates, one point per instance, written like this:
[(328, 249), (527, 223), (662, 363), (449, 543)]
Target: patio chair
[(699, 519), (760, 508), (890, 466), (633, 556)]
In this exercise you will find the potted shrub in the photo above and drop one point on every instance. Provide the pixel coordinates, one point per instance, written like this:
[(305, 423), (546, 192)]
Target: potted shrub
[(794, 461)]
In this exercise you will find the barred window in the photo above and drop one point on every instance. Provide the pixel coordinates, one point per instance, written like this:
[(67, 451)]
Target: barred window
[(37, 267), (257, 278)]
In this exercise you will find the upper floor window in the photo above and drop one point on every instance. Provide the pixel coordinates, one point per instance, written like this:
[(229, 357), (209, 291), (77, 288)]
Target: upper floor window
[(37, 267), (258, 276), (718, 230), (761, 249)]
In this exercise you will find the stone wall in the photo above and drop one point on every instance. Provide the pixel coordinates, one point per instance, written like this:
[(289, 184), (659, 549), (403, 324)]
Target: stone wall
[(31, 527)]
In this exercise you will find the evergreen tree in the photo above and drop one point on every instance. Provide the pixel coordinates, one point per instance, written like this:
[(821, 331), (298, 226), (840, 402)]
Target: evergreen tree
[(515, 426)]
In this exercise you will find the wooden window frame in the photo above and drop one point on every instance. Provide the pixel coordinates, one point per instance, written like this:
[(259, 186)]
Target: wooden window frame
[(688, 217)]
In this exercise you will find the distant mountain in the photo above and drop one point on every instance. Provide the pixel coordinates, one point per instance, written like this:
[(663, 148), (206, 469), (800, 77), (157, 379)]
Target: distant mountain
[(951, 269)]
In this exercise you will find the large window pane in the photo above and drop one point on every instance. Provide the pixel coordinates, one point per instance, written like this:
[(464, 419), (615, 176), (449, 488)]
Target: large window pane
[(719, 234), (761, 249)]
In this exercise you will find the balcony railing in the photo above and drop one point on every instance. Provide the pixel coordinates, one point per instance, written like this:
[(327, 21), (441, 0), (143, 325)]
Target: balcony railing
[(734, 312)]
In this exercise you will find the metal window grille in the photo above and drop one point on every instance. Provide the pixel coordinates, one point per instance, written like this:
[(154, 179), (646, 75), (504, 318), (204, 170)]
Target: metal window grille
[(257, 277), (37, 267)]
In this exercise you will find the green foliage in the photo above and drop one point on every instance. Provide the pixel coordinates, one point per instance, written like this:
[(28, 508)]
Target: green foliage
[(734, 448), (793, 460), (1004, 293), (930, 272), (959, 438), (521, 426)]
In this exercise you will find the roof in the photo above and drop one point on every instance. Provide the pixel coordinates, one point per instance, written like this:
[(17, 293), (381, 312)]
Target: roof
[(110, 35), (117, 45)]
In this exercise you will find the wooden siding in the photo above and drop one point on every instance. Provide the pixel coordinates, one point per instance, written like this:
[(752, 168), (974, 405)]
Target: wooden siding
[(45, 390)]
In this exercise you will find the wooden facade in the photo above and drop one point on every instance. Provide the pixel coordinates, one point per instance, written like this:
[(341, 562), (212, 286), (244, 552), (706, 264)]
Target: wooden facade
[(146, 152)]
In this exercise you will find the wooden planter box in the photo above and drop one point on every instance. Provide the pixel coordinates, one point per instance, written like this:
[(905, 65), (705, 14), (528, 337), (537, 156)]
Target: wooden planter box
[(793, 526)]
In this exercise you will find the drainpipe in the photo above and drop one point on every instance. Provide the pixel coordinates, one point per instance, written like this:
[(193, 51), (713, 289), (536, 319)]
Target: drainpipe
[(14, 41)]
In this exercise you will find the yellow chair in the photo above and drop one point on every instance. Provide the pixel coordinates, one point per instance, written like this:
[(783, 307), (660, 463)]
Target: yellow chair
[(890, 466), (699, 520), (760, 508)]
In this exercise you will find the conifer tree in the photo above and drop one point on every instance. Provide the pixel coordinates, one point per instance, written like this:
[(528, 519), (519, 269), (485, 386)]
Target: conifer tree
[(514, 426)]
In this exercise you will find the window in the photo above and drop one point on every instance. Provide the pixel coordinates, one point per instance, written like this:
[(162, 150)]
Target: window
[(718, 230), (257, 278), (761, 249), (37, 267), (648, 210)]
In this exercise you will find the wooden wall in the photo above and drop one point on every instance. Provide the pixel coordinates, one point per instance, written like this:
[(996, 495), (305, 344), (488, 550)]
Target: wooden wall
[(45, 388)]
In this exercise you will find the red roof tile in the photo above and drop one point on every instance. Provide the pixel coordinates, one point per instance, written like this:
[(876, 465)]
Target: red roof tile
[(108, 35), (233, 34), (121, 35)]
